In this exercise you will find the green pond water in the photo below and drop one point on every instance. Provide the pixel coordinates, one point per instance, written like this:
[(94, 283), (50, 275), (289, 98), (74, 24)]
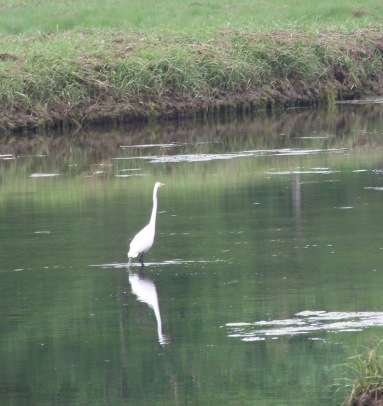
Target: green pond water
[(265, 277)]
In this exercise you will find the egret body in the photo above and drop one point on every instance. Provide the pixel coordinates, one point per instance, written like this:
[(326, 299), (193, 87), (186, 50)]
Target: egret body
[(143, 240)]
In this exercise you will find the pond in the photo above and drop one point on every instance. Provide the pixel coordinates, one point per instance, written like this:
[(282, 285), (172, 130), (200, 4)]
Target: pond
[(265, 276)]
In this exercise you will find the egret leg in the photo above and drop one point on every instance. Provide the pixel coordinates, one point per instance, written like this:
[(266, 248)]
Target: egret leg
[(141, 259)]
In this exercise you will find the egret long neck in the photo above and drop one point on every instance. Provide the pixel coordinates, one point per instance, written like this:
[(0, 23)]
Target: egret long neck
[(152, 221)]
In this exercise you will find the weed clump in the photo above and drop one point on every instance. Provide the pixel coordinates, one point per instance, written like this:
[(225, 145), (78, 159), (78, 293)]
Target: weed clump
[(367, 368)]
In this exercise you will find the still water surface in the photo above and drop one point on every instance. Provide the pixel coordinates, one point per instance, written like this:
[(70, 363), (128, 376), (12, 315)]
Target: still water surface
[(265, 277)]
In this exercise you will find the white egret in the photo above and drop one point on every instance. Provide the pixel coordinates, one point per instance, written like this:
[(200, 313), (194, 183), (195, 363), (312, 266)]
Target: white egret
[(143, 240)]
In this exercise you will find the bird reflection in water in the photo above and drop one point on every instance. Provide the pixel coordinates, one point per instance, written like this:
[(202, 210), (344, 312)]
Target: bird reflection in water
[(145, 290)]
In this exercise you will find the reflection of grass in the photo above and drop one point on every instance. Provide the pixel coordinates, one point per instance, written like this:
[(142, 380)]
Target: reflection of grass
[(79, 184), (86, 165), (367, 370)]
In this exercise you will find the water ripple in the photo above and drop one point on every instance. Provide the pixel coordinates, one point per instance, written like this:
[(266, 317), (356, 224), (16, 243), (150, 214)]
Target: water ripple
[(379, 188), (306, 322), (151, 145), (118, 265), (43, 175), (221, 156), (313, 171), (196, 157)]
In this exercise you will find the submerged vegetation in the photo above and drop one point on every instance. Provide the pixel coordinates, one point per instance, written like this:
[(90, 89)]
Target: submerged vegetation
[(76, 68)]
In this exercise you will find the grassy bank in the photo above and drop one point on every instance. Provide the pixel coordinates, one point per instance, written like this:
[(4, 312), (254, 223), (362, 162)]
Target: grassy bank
[(66, 76)]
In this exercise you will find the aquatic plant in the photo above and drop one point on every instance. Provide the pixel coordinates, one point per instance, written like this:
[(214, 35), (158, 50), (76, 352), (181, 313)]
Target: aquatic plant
[(367, 369)]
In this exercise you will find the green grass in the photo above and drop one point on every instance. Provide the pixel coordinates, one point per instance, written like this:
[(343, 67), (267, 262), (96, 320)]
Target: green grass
[(367, 377), (57, 16), (92, 60)]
